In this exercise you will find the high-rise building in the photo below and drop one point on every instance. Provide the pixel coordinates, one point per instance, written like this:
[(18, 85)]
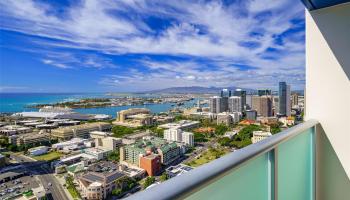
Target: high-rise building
[(188, 138), (235, 104), (241, 93), (275, 105), (284, 99), (266, 106), (248, 101), (218, 104), (177, 135), (225, 93), (295, 98), (212, 104), (264, 92), (173, 135), (263, 105)]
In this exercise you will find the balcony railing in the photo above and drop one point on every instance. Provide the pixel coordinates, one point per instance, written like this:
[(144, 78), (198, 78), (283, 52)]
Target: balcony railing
[(279, 167)]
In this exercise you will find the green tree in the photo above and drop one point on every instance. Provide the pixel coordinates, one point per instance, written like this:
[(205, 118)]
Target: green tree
[(113, 156), (224, 141), (243, 138), (12, 147), (163, 177), (4, 141), (149, 181), (117, 192), (221, 129), (199, 137), (120, 131)]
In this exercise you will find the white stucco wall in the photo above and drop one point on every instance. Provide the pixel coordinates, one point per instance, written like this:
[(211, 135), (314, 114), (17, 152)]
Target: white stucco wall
[(327, 75)]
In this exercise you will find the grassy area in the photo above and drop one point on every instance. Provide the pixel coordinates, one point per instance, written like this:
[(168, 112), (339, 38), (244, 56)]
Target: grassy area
[(71, 188), (49, 156), (73, 192), (207, 156)]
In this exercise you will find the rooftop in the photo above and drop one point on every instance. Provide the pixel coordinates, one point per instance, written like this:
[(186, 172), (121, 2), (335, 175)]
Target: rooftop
[(103, 177)]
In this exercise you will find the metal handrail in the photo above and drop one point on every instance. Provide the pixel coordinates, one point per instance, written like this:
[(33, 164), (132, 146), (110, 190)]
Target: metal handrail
[(182, 186)]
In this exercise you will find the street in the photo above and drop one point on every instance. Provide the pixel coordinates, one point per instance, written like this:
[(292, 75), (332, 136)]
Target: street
[(41, 170)]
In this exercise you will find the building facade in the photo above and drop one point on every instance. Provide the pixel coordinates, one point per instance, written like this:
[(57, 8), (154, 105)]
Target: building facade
[(241, 93), (82, 130), (151, 163), (235, 104), (97, 186), (218, 104), (263, 105), (284, 99), (260, 135), (177, 135)]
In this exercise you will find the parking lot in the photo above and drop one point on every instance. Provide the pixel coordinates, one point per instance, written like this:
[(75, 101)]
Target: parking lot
[(15, 187)]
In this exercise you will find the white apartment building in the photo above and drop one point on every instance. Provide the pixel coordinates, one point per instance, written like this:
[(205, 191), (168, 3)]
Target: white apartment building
[(260, 135), (109, 143), (97, 153), (188, 138), (177, 135), (173, 134)]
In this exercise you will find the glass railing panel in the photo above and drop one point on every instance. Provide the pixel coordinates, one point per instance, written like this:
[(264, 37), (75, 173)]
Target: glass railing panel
[(295, 167), (250, 181)]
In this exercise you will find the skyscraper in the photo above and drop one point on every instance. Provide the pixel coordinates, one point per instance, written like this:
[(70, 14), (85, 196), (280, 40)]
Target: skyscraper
[(263, 105), (284, 99), (218, 104), (234, 104), (241, 93), (295, 98), (264, 92), (248, 102), (212, 104), (225, 93)]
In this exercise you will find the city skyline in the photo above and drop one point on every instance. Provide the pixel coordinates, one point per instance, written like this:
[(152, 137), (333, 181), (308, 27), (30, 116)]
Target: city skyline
[(90, 46)]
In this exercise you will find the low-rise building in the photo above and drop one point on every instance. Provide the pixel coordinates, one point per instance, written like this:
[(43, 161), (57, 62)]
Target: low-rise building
[(131, 154), (230, 134), (224, 118), (94, 185), (251, 114), (72, 144), (109, 143), (99, 134), (182, 124), (97, 153), (287, 121), (151, 163), (70, 160), (161, 119), (260, 135), (82, 130), (9, 130), (169, 153), (134, 117), (37, 151), (76, 168), (132, 171), (29, 138), (177, 170)]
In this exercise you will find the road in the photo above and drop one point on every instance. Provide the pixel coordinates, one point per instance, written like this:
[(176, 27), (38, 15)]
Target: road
[(205, 146), (44, 174)]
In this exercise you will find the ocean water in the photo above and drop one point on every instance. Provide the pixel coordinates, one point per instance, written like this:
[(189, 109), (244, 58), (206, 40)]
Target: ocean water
[(17, 102)]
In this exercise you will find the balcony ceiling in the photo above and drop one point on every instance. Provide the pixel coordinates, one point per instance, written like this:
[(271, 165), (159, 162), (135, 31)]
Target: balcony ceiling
[(318, 4)]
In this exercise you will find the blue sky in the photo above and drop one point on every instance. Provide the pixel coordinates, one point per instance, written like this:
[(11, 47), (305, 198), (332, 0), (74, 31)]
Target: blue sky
[(138, 45)]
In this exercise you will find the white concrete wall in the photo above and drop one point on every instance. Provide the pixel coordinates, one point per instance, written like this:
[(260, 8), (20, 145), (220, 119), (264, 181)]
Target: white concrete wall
[(327, 75)]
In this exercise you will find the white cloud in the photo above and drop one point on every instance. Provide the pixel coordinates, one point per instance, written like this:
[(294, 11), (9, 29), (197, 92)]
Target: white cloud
[(199, 29)]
